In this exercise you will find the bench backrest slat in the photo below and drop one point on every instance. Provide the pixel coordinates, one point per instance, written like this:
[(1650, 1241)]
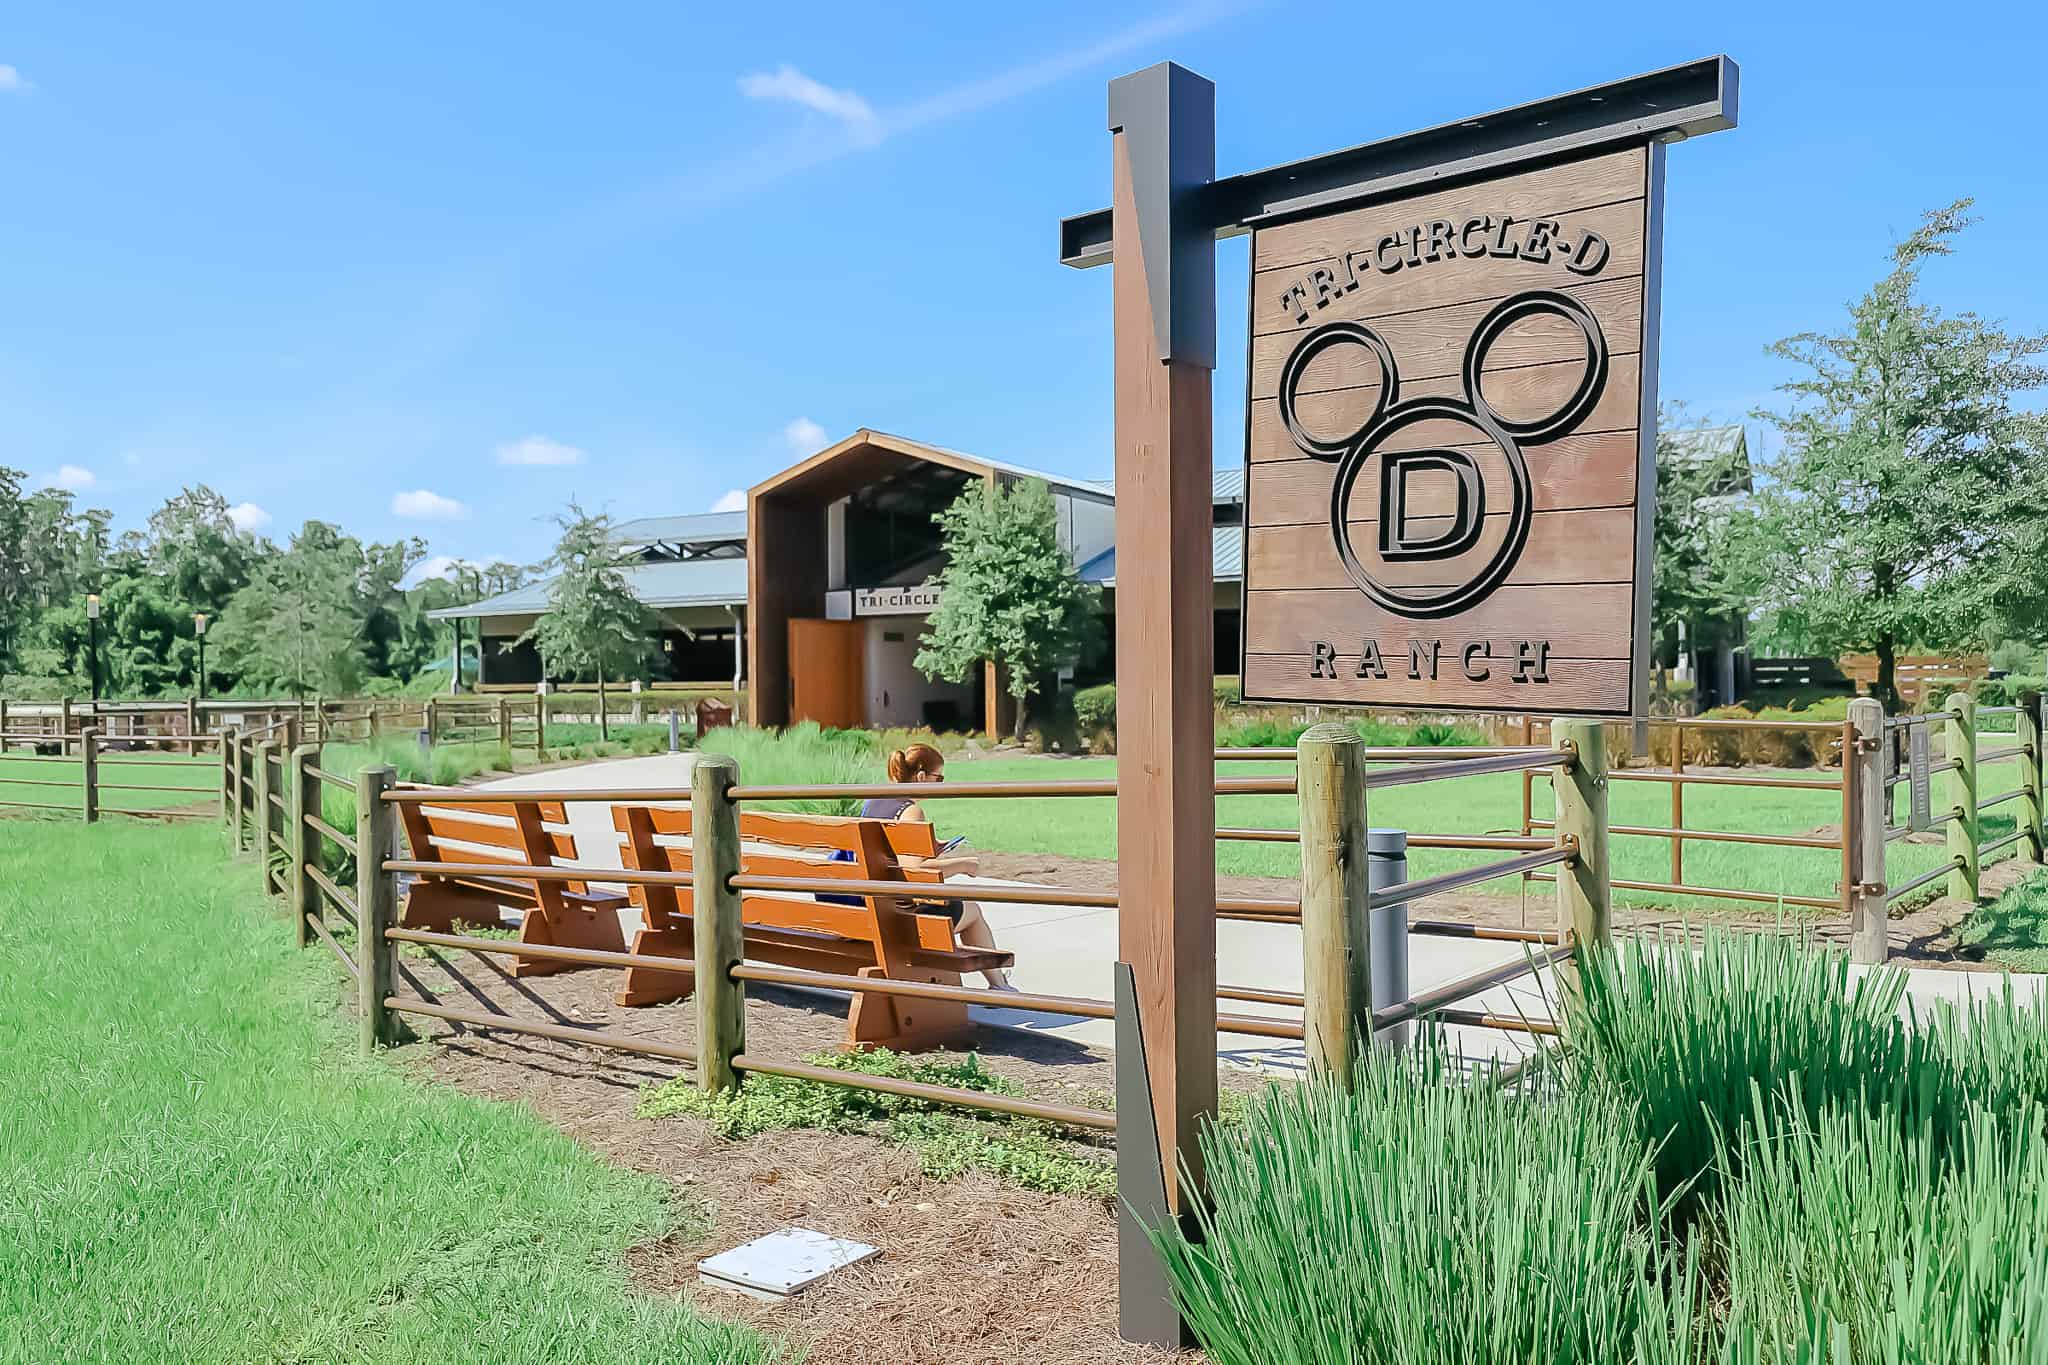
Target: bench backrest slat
[(776, 844), (534, 833)]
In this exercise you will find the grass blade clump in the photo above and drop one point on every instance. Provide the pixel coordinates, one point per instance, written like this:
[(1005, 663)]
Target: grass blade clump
[(1418, 1220), (1854, 1237), (803, 754), (1681, 1039)]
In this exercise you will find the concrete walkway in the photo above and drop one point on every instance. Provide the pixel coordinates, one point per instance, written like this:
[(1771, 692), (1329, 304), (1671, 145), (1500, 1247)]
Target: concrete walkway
[(1070, 950)]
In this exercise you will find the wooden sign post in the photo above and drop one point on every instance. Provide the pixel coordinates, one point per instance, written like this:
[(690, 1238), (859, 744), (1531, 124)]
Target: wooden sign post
[(1450, 472)]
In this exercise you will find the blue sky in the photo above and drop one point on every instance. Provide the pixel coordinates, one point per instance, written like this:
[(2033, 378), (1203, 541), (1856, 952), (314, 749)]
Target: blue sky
[(434, 269)]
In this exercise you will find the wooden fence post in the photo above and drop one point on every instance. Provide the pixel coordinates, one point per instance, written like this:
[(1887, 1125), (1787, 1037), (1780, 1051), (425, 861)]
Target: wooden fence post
[(433, 710), (3, 725), (89, 769), (1960, 734), (1336, 956), (2032, 846), (1585, 896), (227, 779), (231, 754), (714, 862), (1866, 811), (504, 727), (64, 725), (540, 718), (266, 828), (376, 905), (192, 727), (304, 801)]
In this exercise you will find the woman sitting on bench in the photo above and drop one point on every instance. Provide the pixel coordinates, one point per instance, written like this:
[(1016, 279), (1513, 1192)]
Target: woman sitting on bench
[(923, 763)]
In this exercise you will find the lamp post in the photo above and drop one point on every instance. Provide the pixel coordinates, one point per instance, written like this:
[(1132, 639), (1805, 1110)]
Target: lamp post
[(92, 656), (199, 635)]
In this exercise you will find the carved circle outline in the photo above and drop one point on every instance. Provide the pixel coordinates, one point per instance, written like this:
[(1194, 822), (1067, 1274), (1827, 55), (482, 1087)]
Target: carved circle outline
[(1313, 345), (1390, 415)]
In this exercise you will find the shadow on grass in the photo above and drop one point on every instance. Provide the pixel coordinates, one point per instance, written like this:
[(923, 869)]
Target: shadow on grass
[(2011, 931)]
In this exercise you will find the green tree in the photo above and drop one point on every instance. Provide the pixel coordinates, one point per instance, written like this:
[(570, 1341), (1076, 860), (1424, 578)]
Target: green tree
[(1907, 500), (196, 546), (1008, 592), (594, 625), (301, 624), (1705, 572)]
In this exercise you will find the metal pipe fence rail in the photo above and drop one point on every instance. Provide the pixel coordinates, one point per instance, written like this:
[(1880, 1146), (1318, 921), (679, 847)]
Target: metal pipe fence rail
[(1823, 740), (721, 1055)]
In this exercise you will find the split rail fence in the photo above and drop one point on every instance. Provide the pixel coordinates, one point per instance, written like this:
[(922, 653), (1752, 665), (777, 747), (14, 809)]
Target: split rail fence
[(141, 773)]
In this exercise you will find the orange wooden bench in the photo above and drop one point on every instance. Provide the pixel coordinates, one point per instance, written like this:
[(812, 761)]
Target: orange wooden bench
[(881, 936), (533, 833)]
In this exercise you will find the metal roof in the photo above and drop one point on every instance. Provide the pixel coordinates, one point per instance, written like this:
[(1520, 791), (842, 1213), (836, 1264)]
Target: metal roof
[(1226, 559), (667, 583), (690, 530)]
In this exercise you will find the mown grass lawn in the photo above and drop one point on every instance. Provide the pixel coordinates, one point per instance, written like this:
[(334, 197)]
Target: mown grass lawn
[(195, 1167), (1086, 827)]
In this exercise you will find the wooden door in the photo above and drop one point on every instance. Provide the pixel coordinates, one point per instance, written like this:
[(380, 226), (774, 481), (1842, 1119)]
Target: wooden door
[(827, 680)]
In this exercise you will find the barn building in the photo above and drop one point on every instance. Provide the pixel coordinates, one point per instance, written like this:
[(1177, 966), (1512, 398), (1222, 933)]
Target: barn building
[(814, 596)]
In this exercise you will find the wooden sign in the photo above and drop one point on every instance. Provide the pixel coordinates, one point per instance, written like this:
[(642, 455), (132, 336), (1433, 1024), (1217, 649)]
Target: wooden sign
[(1450, 448), (1920, 780)]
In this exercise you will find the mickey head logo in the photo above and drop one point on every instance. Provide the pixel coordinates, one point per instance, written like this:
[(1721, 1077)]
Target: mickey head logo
[(1402, 537)]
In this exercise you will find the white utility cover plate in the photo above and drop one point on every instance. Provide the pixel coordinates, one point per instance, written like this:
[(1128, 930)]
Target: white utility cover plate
[(782, 1263)]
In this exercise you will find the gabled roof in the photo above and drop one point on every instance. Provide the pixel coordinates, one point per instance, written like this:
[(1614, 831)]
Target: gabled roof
[(866, 442)]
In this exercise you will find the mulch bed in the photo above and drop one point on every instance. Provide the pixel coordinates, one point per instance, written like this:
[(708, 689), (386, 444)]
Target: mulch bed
[(972, 1270)]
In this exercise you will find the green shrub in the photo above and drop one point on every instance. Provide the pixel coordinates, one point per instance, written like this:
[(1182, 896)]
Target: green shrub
[(2010, 690), (1420, 1221), (1095, 708), (1269, 732)]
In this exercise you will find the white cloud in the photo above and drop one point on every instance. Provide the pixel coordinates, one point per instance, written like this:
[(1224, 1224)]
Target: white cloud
[(421, 504), (804, 436), (12, 82), (247, 516), (69, 477), (735, 500), (788, 83), (539, 450)]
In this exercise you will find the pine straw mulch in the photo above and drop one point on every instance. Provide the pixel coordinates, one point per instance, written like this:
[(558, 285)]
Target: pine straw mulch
[(971, 1270)]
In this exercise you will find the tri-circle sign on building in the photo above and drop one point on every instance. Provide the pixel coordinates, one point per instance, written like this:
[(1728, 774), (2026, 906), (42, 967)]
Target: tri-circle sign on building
[(1450, 444)]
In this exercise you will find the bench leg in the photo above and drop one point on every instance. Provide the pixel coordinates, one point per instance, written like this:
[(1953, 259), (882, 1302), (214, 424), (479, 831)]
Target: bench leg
[(570, 927), (436, 907), (907, 1025), (645, 985)]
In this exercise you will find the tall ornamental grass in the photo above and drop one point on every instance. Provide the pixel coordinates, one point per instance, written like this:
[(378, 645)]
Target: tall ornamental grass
[(1853, 1237), (802, 755), (1417, 1220), (1679, 1039), (1749, 1158)]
